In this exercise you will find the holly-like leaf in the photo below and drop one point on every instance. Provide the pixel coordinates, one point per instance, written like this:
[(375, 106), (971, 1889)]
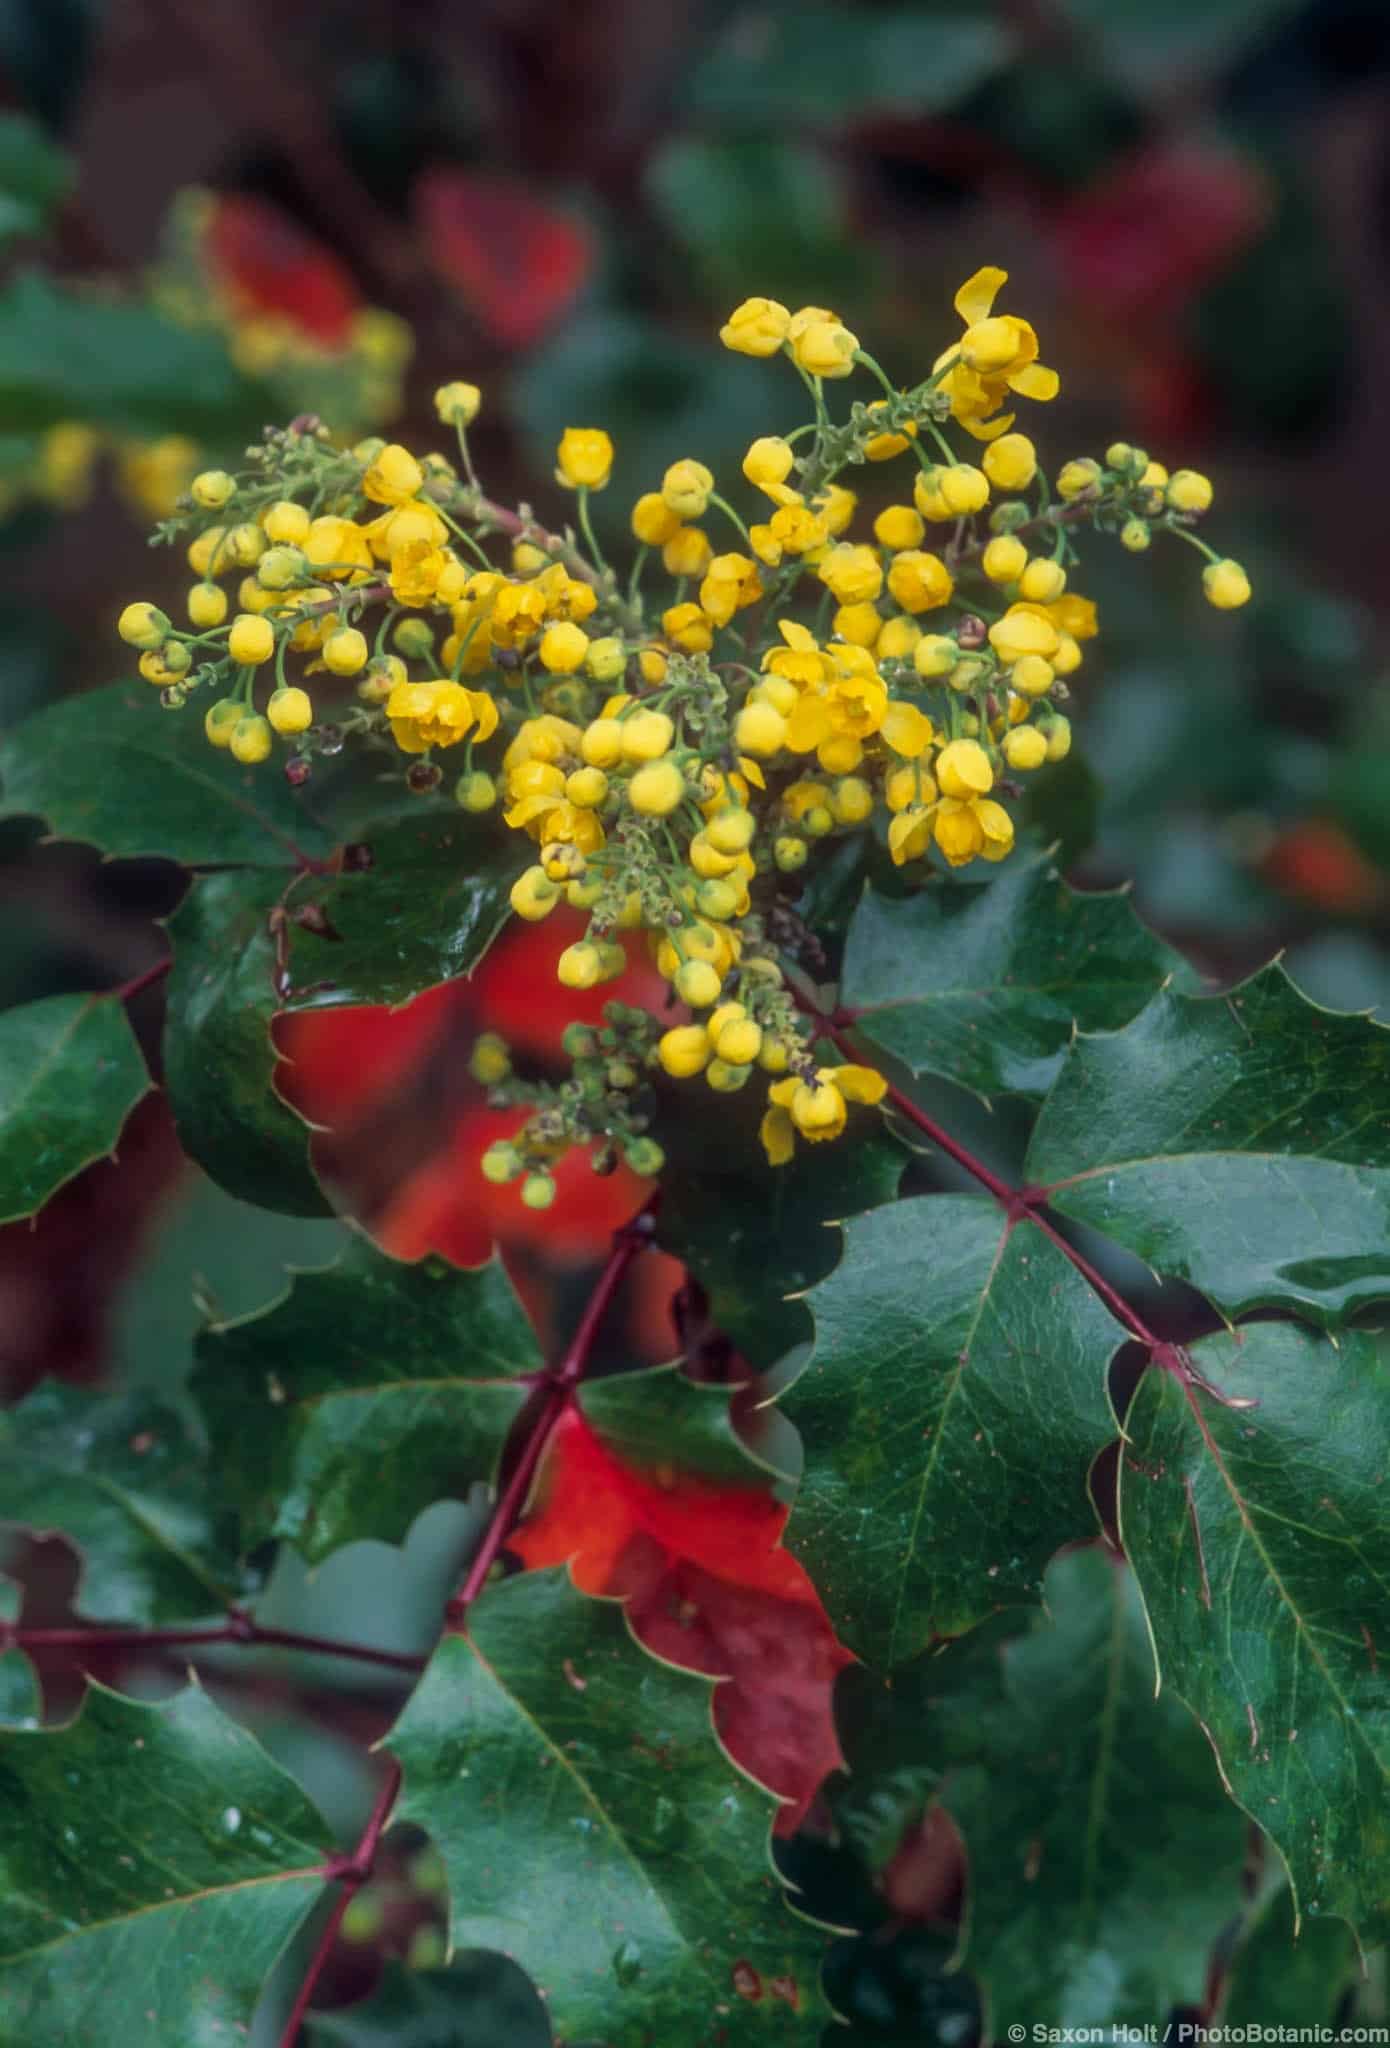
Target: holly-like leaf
[(112, 767), (1241, 1142), (424, 912), (121, 1479), (70, 1074), (153, 1862), (219, 1058), (481, 1999), (756, 1236), (659, 1420), (35, 177), (951, 1410), (1103, 1856), (592, 1829), (1260, 1533), (368, 1391), (983, 984), (20, 1701)]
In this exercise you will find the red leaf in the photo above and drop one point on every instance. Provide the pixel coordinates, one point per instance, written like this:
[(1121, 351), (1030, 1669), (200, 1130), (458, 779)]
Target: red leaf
[(1315, 859), (518, 995), (709, 1588), (268, 264), (518, 260), (1143, 241)]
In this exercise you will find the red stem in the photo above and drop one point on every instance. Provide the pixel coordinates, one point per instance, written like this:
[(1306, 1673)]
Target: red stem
[(1019, 1204), (561, 1382), (352, 1873), (138, 982), (239, 1628)]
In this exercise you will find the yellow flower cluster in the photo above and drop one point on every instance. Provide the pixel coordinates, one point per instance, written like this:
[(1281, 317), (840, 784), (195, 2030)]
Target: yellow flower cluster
[(808, 672)]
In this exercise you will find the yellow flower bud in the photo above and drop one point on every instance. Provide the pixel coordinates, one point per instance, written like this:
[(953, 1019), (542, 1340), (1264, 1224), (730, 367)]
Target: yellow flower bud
[(211, 489), (220, 718), (738, 1041), (1032, 675), (1022, 630), (935, 654), (760, 730), (687, 552), (458, 404), (393, 477), (697, 983), (1005, 559), (251, 740), (1189, 491), (563, 648), (757, 327), (1025, 748), (534, 895), (207, 605), (601, 743), (586, 787), (899, 526), (1059, 739), (768, 463), (284, 523), (730, 830), (919, 581), (1011, 462), (143, 625), (686, 487), (1042, 582), (584, 458), (653, 521), (579, 966), (657, 789), (290, 710), (645, 736), (821, 345), (964, 488), (251, 640), (345, 651), (1076, 477), (684, 1050), (1226, 585)]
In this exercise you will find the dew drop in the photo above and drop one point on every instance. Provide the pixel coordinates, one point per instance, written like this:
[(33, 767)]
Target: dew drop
[(627, 1963), (231, 1819)]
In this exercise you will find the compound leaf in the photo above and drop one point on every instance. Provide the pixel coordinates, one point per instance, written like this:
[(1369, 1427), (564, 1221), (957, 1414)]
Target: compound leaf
[(593, 1830)]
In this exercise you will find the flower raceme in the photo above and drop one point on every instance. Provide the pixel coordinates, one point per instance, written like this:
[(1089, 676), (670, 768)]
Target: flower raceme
[(678, 742)]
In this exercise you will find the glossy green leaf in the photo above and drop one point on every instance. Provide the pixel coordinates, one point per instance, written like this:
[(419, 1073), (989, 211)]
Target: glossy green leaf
[(121, 1479), (1241, 1142), (114, 768), (73, 354), (984, 984), (1257, 1517), (20, 1700), (153, 1864), (1299, 1977), (659, 1418), (594, 1831), (425, 911), (366, 1392), (756, 1236), (70, 1074), (219, 1057), (35, 176), (951, 1410), (1103, 1856)]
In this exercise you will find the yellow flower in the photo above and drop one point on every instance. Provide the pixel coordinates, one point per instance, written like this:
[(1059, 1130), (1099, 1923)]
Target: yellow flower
[(907, 730), (458, 404), (653, 521), (768, 464), (584, 458), (882, 447), (686, 488), (393, 477), (919, 581), (815, 1108), (963, 770), (1024, 629), (730, 582), (686, 626), (909, 833), (997, 354), (438, 714), (415, 572), (820, 344), (687, 552), (797, 530), (854, 574), (757, 327)]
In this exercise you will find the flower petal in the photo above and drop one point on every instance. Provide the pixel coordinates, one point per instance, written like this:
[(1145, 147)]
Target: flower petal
[(778, 1134), (978, 293), (1033, 381)]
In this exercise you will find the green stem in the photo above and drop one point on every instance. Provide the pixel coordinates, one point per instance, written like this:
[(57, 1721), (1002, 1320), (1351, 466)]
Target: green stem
[(586, 528)]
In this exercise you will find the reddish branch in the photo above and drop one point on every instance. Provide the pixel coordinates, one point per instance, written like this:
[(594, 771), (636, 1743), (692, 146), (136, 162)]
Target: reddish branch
[(351, 1873), (1019, 1204), (560, 1383), (239, 1627)]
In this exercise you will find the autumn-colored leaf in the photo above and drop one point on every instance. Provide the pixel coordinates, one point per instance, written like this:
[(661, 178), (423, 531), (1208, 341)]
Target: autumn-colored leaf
[(709, 1588), (518, 260), (267, 264)]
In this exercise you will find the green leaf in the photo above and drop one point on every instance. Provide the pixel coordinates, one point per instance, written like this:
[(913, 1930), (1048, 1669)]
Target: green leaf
[(21, 1703), (1103, 1855), (153, 1862), (1147, 45), (1260, 1533), (951, 1410), (368, 1391), (626, 1865), (1303, 1975), (984, 984), (756, 1236), (114, 768), (219, 1057), (425, 911), (72, 354), (71, 1071), (659, 1418), (122, 1479), (35, 176), (1241, 1142), (481, 2000), (822, 64)]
